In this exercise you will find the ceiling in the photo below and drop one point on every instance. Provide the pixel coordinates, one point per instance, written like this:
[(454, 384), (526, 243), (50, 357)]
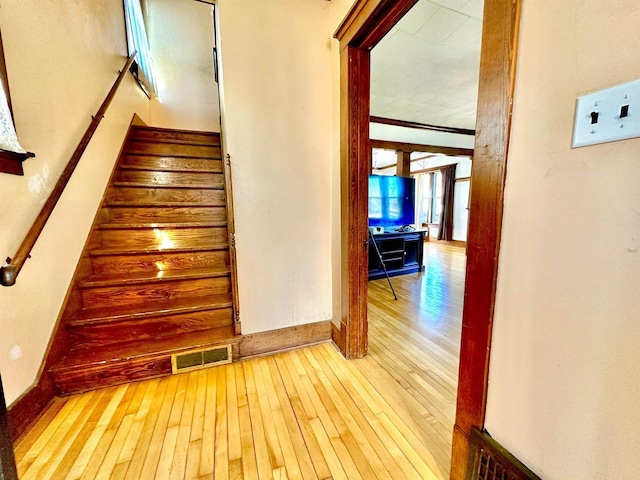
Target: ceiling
[(426, 68)]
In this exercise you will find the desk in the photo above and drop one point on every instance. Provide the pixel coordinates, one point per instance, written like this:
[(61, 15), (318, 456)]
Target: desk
[(401, 252)]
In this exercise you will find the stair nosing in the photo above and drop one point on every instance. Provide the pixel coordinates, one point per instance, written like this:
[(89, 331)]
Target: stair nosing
[(101, 252), (151, 185), (119, 204), (212, 273), (74, 322), (135, 226), (170, 170), (173, 142)]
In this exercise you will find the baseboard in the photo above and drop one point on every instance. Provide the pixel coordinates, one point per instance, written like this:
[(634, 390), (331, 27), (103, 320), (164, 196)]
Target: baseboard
[(28, 407), (31, 404), (336, 336), (455, 243), (273, 341)]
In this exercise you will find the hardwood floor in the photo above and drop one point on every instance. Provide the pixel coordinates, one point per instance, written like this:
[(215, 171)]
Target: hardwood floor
[(306, 413), (416, 341)]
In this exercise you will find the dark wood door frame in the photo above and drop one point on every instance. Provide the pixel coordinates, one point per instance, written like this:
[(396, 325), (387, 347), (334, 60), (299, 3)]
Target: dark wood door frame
[(365, 25)]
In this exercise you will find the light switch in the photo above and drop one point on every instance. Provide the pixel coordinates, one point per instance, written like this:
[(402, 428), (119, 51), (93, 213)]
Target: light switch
[(608, 115)]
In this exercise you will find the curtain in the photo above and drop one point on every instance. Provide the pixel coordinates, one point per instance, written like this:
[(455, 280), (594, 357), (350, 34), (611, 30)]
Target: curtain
[(418, 198), (448, 187), (8, 137), (137, 41)]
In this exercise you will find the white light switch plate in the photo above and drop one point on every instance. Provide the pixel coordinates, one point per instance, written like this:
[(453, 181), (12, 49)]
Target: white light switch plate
[(611, 124)]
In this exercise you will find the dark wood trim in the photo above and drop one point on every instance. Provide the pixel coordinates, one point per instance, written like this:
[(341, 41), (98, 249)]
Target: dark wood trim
[(421, 126), (417, 147), (336, 335), (365, 25), (404, 164), (355, 65), (228, 186), (8, 470), (11, 270), (497, 76), (27, 408), (273, 341), (495, 102), (231, 229), (369, 21), (11, 162), (463, 179)]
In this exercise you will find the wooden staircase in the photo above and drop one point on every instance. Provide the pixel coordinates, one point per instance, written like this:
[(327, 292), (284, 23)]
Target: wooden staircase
[(155, 277)]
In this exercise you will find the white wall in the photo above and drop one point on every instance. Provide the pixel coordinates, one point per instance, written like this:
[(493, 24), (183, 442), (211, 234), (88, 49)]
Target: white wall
[(62, 58), (278, 115), (413, 135), (181, 39), (564, 382)]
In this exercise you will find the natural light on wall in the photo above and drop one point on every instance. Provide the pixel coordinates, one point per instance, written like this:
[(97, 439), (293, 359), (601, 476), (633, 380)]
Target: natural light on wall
[(137, 41), (8, 137)]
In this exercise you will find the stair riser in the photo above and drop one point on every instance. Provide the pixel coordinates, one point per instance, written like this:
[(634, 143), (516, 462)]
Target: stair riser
[(168, 136), (162, 214), (151, 162), (104, 265), (165, 211), (96, 335), (171, 179), (163, 196), (157, 239), (108, 374), (82, 380), (171, 149), (144, 293)]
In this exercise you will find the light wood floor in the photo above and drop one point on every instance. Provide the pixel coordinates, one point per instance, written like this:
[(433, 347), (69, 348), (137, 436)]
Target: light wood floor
[(305, 414)]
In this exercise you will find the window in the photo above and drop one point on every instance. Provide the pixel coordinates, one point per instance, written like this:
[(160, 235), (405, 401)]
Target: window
[(11, 153), (431, 197), (137, 41)]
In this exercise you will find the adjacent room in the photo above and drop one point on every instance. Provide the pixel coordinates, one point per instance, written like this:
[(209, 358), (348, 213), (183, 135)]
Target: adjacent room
[(424, 84)]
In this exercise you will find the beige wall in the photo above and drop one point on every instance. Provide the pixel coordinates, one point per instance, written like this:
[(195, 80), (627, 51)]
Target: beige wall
[(277, 63), (337, 12), (181, 39), (564, 383), (62, 58)]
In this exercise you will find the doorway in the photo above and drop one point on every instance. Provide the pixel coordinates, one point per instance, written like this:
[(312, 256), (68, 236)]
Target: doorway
[(365, 25)]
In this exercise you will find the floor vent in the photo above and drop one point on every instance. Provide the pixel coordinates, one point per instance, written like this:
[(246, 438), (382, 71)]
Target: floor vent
[(195, 359), (491, 461)]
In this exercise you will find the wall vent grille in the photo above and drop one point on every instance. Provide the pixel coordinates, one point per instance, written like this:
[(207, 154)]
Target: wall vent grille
[(488, 460), (195, 359)]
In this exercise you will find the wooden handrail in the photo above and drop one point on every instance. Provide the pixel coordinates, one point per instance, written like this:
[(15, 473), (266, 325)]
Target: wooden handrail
[(10, 271)]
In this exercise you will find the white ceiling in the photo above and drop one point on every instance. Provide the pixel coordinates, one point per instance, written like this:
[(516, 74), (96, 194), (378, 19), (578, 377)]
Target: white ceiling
[(426, 69)]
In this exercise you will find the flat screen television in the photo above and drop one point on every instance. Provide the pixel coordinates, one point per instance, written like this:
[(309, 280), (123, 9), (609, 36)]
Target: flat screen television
[(391, 201)]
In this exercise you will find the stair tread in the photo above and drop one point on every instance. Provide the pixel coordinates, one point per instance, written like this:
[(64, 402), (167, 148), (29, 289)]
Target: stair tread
[(107, 314), (119, 226), (122, 352), (156, 249), (169, 169), (199, 186), (142, 204), (213, 136), (151, 277)]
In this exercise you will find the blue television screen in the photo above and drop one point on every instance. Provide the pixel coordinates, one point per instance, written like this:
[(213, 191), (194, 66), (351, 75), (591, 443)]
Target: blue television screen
[(391, 201)]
